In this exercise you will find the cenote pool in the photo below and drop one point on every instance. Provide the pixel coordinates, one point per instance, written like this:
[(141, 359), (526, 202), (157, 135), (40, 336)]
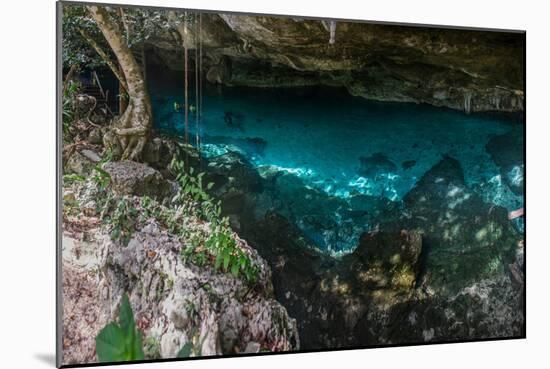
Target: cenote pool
[(335, 149)]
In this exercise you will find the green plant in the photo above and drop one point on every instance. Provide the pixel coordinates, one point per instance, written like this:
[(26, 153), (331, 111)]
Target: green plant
[(189, 348), (99, 175), (185, 351), (221, 244), (229, 257), (151, 348), (122, 221), (72, 178), (68, 105), (122, 341)]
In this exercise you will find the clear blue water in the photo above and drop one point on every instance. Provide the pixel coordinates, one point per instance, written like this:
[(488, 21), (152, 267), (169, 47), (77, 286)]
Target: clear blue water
[(320, 136)]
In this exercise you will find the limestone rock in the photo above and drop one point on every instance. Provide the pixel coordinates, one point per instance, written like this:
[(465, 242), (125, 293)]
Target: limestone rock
[(131, 178), (176, 302), (466, 70), (387, 260), (82, 162), (232, 170)]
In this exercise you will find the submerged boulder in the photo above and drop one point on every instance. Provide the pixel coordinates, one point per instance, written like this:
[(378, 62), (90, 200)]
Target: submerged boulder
[(464, 239), (131, 178), (376, 164), (507, 151)]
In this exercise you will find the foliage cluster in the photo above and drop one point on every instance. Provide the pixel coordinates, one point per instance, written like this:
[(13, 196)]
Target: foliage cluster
[(122, 341), (214, 245), (220, 245), (68, 104)]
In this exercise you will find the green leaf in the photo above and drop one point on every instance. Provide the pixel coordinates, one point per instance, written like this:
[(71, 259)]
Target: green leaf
[(120, 343), (210, 185), (225, 260), (235, 270), (218, 262), (109, 344), (185, 351), (126, 316)]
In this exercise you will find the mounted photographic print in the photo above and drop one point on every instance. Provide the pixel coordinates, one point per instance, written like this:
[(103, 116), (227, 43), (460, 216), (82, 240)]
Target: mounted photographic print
[(244, 184)]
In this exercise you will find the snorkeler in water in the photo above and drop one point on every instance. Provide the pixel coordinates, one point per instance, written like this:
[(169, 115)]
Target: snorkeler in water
[(233, 120), (178, 107), (228, 118)]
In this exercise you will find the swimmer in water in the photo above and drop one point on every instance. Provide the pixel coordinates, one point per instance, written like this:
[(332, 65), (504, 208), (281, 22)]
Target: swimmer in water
[(228, 118)]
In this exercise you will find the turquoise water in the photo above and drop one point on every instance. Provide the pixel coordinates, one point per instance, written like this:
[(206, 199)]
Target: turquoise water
[(340, 145)]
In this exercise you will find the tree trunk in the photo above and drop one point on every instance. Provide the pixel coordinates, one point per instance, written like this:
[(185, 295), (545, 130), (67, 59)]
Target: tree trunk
[(114, 68), (69, 77), (134, 125)]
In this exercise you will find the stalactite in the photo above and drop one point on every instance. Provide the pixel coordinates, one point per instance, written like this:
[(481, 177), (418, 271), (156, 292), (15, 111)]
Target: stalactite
[(330, 26), (332, 39), (199, 108), (467, 102), (196, 34)]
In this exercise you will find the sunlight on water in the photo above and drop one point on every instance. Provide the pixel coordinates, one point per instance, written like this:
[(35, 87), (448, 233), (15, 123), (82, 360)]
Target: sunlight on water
[(342, 146)]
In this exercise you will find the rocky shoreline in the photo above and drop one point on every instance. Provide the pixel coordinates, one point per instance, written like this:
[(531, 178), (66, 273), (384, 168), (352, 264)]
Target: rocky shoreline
[(440, 269), (408, 281), (175, 300)]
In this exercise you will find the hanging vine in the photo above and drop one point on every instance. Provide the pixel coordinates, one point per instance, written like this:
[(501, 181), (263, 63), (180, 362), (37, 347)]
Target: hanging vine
[(199, 110), (197, 103), (186, 94)]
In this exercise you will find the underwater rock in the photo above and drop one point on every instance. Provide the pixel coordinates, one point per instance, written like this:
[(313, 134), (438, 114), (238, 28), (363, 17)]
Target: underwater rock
[(361, 298), (251, 146), (408, 164), (312, 210), (131, 178), (257, 145), (376, 164), (234, 120), (464, 239), (507, 152)]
